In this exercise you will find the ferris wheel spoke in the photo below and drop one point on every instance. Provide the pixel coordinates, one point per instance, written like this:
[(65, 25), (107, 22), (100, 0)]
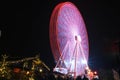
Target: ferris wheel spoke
[(65, 15), (62, 22), (70, 17)]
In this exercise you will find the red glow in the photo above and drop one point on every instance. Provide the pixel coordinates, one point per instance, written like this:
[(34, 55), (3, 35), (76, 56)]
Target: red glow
[(16, 70)]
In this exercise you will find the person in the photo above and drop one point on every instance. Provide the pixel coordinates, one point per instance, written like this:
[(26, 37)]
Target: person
[(85, 78), (79, 78)]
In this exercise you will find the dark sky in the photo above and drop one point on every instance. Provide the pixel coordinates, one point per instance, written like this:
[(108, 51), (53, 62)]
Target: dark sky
[(24, 29)]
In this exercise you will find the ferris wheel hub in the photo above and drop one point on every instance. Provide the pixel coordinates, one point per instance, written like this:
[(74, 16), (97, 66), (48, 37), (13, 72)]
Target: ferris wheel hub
[(78, 38)]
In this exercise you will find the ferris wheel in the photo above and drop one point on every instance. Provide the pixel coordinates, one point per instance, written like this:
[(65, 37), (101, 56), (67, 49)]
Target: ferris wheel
[(69, 39)]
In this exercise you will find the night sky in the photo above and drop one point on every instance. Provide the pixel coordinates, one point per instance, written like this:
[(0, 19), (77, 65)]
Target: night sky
[(24, 28)]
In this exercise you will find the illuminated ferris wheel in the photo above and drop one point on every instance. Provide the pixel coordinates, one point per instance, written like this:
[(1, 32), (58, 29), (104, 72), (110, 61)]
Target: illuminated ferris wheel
[(69, 40)]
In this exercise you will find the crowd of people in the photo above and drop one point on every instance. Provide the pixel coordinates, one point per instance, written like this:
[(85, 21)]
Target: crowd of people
[(62, 77)]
